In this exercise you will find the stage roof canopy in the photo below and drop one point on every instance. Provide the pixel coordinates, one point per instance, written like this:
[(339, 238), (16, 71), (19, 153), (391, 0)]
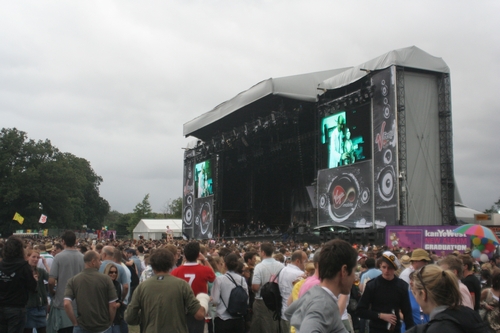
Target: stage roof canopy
[(409, 57), (307, 87), (303, 87)]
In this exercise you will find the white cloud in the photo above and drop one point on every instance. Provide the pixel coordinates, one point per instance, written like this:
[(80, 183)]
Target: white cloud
[(114, 81)]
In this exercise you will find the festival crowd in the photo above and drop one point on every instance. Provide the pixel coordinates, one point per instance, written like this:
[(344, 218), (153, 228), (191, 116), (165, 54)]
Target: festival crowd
[(66, 284)]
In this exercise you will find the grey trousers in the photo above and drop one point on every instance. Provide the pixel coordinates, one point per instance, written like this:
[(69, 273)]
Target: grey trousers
[(262, 320)]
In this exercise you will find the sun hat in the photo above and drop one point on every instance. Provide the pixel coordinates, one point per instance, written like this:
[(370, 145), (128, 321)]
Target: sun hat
[(420, 254)]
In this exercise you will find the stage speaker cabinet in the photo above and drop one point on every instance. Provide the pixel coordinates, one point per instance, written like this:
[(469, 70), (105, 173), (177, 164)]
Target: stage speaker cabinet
[(188, 215), (372, 236)]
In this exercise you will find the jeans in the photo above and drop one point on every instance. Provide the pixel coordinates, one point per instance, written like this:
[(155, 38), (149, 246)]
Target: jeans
[(115, 328), (12, 319)]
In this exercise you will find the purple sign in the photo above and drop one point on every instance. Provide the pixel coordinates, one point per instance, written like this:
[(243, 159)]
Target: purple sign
[(432, 238)]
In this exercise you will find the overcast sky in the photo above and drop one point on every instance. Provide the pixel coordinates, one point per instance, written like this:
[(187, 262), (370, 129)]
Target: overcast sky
[(114, 81)]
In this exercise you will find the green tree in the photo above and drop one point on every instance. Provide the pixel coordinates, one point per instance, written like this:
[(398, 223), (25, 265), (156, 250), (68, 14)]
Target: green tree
[(173, 209), (36, 178), (495, 208), (141, 211)]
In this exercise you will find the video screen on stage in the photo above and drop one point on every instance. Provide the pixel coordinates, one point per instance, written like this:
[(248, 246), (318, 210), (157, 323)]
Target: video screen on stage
[(203, 179), (346, 137)]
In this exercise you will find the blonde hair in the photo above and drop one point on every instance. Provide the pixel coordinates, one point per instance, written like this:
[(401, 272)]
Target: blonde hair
[(108, 268), (29, 251), (441, 286)]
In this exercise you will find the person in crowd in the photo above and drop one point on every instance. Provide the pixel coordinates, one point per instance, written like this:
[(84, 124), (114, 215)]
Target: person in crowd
[(67, 264), (96, 313), (268, 268), (17, 281), (384, 297), (471, 281), (131, 254), (107, 257), (98, 248), (317, 310), (485, 278), (313, 279), (224, 322), (112, 271), (198, 276), (44, 254), (36, 309), (250, 259), (172, 248), (455, 265), (490, 305), (436, 290), (58, 248), (288, 276), (123, 258), (163, 300), (419, 258), (371, 273), (219, 268), (148, 271)]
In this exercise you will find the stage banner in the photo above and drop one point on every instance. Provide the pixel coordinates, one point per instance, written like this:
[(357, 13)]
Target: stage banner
[(204, 218), (385, 148), (188, 194), (440, 239), (344, 194)]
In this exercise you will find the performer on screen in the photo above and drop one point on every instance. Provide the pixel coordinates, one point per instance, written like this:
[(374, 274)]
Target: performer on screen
[(348, 157), (337, 143)]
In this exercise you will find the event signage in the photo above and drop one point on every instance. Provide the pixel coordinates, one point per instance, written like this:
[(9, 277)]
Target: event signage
[(432, 238)]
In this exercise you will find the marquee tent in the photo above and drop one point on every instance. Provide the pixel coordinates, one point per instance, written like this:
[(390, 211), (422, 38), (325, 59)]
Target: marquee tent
[(465, 214), (155, 229)]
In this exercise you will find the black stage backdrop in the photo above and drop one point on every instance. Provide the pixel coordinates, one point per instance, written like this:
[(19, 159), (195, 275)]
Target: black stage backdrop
[(385, 148)]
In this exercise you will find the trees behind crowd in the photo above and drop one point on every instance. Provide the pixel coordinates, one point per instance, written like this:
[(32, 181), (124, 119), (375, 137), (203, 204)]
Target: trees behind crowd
[(36, 178), (124, 224)]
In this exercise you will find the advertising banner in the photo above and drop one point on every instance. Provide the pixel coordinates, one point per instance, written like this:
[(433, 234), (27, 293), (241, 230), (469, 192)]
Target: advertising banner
[(440, 239), (188, 198), (385, 148), (344, 194), (204, 218)]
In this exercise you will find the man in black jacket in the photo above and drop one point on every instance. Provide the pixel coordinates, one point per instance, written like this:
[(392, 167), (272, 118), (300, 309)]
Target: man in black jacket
[(16, 281), (384, 297)]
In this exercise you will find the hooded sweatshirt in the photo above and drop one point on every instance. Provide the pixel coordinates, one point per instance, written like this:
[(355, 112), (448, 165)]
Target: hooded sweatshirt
[(16, 281), (459, 320)]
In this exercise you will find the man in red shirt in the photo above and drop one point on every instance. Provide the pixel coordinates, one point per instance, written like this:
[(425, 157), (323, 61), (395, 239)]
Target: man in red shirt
[(197, 272)]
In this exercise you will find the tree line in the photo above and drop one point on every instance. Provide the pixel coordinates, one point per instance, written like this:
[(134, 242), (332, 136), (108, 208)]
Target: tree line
[(37, 178)]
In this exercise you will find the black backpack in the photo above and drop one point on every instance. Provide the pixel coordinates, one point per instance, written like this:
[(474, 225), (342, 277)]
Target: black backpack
[(270, 293), (238, 300)]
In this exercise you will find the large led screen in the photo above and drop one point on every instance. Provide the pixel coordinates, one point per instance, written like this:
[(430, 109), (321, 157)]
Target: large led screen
[(346, 137), (203, 179)]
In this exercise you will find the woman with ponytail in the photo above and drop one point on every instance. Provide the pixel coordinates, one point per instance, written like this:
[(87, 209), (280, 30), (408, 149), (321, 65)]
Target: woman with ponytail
[(437, 292)]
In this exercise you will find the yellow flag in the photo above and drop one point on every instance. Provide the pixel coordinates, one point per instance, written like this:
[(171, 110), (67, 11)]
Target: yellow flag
[(17, 217)]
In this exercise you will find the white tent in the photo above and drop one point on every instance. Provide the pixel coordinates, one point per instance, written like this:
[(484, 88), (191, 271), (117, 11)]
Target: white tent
[(155, 229), (465, 214)]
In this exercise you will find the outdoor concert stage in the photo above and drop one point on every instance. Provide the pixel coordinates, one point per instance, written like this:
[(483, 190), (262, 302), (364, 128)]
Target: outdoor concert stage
[(365, 145)]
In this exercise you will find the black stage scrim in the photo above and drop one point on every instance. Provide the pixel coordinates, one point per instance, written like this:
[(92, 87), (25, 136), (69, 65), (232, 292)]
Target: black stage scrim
[(344, 194), (188, 196), (204, 217), (385, 148)]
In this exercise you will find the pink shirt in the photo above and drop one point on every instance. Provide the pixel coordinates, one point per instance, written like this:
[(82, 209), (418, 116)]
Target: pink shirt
[(310, 282)]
